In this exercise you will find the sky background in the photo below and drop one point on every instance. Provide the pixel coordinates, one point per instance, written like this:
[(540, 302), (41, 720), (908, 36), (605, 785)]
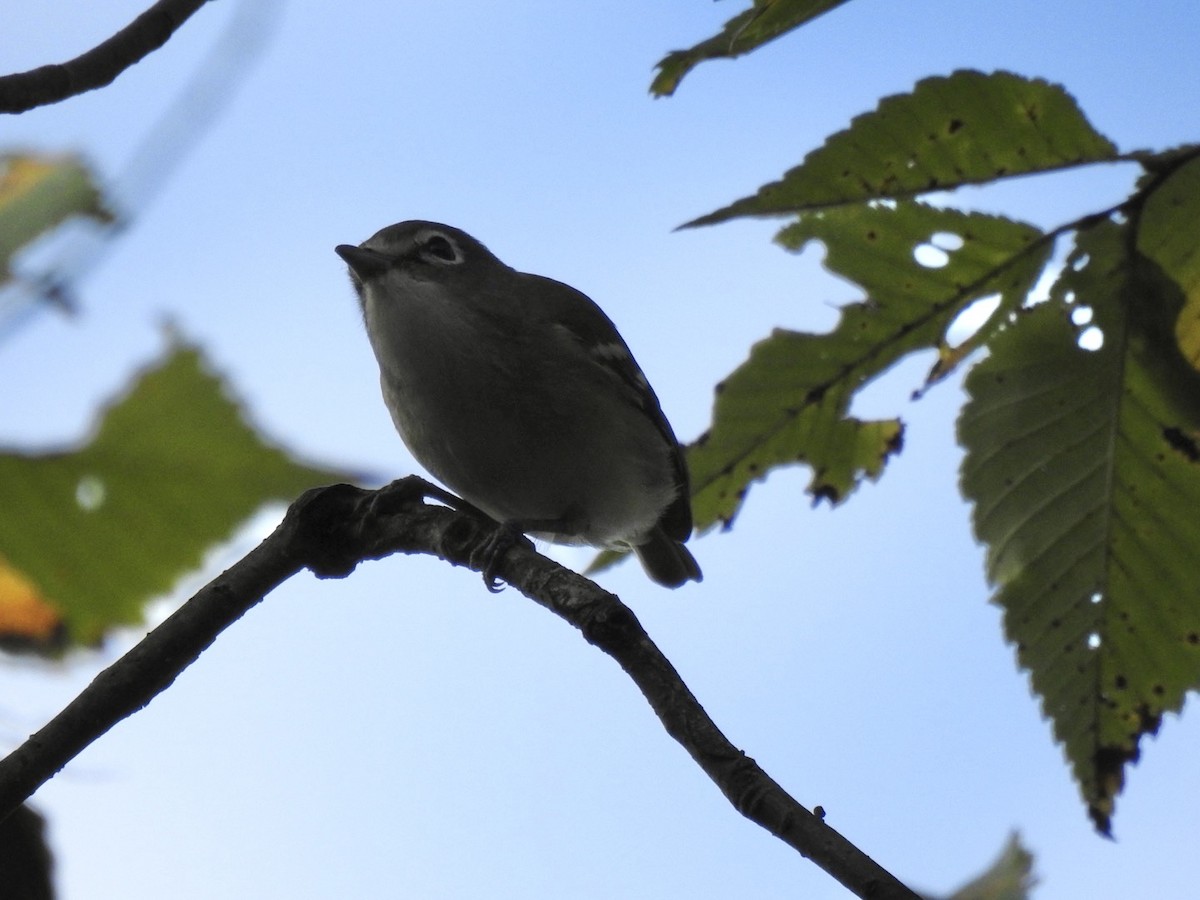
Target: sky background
[(403, 733)]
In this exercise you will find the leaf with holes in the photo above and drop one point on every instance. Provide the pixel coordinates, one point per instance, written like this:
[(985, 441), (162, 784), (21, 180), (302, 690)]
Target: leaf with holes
[(89, 535), (1167, 234), (38, 193), (789, 402), (765, 21), (1084, 470), (967, 128)]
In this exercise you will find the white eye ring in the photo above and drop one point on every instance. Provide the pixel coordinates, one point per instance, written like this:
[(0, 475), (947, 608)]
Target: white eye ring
[(439, 248)]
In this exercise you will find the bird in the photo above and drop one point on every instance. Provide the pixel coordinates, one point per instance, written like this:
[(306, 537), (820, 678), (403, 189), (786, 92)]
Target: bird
[(518, 393)]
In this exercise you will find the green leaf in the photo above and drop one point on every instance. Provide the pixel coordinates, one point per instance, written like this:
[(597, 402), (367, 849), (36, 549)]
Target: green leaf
[(967, 128), (765, 21), (1084, 469), (173, 468), (39, 192), (1167, 234), (789, 402), (1010, 877)]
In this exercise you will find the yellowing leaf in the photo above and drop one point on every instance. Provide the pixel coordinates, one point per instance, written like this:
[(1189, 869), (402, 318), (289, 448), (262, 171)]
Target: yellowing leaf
[(172, 469), (26, 619), (39, 192)]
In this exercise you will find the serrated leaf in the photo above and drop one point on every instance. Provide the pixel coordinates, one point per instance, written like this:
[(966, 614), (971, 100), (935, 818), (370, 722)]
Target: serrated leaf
[(39, 192), (1010, 877), (765, 21), (173, 468), (1167, 234), (966, 128), (789, 402), (1084, 469)]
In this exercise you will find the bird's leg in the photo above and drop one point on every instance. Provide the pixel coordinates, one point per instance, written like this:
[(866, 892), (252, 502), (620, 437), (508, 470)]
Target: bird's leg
[(506, 536), (512, 532), (395, 497), (403, 492)]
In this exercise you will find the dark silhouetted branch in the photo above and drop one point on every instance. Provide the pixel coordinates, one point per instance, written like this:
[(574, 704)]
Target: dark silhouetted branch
[(100, 65), (330, 531)]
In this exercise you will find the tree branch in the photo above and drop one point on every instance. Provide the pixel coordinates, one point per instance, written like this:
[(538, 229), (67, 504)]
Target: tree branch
[(100, 65), (329, 531)]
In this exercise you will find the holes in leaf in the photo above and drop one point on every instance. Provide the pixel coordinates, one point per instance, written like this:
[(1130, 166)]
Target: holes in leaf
[(1091, 339), (930, 257), (1090, 336), (947, 240), (935, 253), (971, 319), (90, 493)]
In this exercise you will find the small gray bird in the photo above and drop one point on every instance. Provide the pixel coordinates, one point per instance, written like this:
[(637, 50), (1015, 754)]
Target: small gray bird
[(517, 393)]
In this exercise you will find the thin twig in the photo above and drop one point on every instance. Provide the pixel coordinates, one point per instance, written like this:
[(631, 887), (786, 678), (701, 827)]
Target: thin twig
[(100, 65), (329, 531)]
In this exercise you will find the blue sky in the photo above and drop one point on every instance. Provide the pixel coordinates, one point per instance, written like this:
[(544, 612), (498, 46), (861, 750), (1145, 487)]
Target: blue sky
[(404, 733)]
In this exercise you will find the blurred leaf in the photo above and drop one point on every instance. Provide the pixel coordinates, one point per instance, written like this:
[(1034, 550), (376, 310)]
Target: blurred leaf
[(172, 469), (27, 619), (1084, 468), (1167, 234), (26, 864), (966, 128), (1010, 877), (765, 21), (39, 192), (789, 402)]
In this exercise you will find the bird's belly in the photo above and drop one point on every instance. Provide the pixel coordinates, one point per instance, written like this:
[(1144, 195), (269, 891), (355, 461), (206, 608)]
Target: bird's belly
[(539, 460)]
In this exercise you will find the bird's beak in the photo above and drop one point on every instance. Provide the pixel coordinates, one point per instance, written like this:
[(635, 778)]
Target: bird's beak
[(364, 263)]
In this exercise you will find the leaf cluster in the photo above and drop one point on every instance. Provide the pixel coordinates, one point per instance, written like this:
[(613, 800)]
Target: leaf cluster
[(1081, 434)]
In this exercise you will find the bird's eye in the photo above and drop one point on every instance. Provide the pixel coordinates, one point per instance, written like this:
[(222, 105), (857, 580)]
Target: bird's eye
[(442, 248)]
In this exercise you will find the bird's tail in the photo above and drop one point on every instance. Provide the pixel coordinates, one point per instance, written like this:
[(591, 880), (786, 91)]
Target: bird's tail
[(666, 560)]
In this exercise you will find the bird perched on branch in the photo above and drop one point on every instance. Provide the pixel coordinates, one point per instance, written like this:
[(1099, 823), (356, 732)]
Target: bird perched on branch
[(518, 393)]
